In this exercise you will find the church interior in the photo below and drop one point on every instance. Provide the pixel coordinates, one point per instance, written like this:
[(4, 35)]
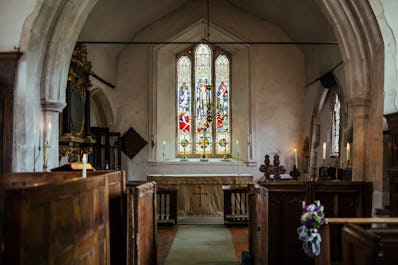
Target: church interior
[(126, 123)]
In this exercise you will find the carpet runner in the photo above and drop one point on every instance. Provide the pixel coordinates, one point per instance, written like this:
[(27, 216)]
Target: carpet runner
[(202, 244)]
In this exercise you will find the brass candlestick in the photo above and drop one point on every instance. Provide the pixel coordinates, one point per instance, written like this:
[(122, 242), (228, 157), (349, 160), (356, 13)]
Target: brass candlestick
[(46, 147), (337, 173), (225, 158), (184, 144)]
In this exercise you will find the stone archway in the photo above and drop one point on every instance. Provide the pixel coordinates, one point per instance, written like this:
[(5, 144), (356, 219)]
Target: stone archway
[(363, 52), (356, 29), (48, 37)]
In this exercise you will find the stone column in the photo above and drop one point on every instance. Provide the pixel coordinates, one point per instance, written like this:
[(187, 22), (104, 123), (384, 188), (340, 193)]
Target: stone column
[(360, 111), (51, 112)]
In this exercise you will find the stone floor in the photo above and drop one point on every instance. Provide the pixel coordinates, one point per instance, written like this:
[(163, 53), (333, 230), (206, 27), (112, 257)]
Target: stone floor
[(166, 235)]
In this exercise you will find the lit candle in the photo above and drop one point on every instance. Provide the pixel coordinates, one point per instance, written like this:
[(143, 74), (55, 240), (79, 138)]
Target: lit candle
[(84, 160), (48, 132), (348, 151), (295, 157), (164, 149), (324, 151)]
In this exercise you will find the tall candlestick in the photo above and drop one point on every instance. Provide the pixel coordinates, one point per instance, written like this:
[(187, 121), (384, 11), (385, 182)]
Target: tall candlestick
[(237, 148), (295, 157), (324, 151), (48, 132), (84, 160), (348, 151)]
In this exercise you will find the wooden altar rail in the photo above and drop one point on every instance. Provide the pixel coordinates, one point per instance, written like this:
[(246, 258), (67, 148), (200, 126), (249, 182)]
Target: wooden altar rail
[(324, 256), (236, 205), (167, 205), (141, 223)]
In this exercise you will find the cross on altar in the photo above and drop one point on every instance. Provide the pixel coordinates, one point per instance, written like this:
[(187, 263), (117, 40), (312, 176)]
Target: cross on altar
[(200, 193)]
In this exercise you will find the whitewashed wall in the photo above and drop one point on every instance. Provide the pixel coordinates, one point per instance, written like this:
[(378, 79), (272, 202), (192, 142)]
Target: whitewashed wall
[(386, 13)]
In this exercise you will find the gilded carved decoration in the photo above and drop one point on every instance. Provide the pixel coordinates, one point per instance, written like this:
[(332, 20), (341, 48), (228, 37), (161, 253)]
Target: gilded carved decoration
[(74, 122)]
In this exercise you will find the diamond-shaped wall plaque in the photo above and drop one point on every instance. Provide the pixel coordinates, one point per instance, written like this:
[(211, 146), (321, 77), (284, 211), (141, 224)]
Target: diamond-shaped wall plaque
[(132, 143)]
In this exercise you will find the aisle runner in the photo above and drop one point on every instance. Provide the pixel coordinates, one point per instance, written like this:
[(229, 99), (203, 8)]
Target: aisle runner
[(202, 245)]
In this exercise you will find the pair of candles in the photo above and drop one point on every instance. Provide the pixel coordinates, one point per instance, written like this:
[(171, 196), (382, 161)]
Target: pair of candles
[(347, 151)]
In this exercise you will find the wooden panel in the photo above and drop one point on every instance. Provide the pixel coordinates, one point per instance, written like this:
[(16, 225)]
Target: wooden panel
[(63, 222), (284, 213), (146, 224), (141, 207), (341, 199), (359, 247), (393, 182), (258, 226)]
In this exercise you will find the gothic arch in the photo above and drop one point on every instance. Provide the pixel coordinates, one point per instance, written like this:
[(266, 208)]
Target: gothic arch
[(101, 109), (363, 52)]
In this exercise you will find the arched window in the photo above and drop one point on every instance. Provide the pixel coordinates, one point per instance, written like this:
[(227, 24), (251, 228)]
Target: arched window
[(336, 126), (203, 102)]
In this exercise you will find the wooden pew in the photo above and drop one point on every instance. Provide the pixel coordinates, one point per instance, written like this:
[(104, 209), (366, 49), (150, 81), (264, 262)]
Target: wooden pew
[(167, 205), (236, 206), (58, 222), (360, 245), (141, 224), (284, 200), (258, 225)]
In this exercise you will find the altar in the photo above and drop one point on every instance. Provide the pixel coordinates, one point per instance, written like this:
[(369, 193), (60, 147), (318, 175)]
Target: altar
[(200, 194)]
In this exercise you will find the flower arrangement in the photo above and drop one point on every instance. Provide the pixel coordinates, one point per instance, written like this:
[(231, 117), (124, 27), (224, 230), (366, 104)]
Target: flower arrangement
[(312, 219)]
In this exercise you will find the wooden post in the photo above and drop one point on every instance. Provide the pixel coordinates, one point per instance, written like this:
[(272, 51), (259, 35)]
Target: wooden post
[(258, 225), (324, 256)]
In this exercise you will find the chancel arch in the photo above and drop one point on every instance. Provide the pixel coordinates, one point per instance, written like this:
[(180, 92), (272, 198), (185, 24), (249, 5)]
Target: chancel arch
[(356, 29)]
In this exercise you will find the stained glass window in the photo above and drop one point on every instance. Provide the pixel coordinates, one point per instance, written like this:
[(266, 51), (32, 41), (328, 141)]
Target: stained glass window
[(203, 102), (223, 145), (184, 111), (336, 126)]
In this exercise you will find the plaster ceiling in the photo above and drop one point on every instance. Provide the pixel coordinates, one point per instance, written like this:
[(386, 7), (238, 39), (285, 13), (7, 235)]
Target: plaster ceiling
[(120, 20)]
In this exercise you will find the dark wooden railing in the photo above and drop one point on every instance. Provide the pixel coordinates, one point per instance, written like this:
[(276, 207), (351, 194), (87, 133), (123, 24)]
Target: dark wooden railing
[(236, 207), (167, 205)]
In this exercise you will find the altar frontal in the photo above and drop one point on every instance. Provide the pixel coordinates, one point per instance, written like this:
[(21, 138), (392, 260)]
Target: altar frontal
[(200, 194)]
